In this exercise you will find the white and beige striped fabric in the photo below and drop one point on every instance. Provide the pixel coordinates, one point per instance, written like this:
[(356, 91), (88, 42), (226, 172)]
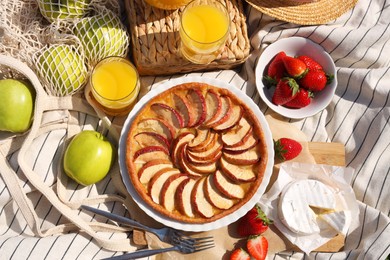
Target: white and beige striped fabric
[(358, 117)]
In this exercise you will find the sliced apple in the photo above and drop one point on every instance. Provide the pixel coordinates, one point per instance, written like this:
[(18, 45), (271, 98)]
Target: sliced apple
[(227, 187), (145, 139), (157, 181), (159, 126), (210, 153), (249, 143), (168, 191), (183, 197), (202, 161), (181, 139), (183, 163), (215, 197), (199, 201), (198, 105), (200, 168), (183, 106), (248, 157), (206, 144), (149, 169), (201, 136), (238, 173), (169, 114), (238, 134), (234, 117), (149, 153), (213, 105), (226, 109)]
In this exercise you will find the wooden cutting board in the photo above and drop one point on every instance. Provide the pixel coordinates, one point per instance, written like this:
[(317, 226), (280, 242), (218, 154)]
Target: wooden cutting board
[(323, 153)]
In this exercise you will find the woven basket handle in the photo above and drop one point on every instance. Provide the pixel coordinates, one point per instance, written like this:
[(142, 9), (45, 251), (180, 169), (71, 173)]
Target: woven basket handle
[(44, 103)]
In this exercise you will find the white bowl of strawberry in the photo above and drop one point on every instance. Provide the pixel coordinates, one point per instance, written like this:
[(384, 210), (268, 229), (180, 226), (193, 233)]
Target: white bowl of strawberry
[(296, 77)]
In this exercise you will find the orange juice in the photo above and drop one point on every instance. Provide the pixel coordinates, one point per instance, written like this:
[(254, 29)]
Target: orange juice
[(167, 4), (204, 29), (115, 84)]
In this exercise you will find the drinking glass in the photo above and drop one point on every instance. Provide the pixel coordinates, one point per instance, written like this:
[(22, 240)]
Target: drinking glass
[(204, 28), (115, 85)]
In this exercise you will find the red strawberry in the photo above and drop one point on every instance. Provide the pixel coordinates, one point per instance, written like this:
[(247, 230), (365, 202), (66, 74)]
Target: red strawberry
[(287, 149), (275, 69), (285, 90), (240, 254), (294, 67), (310, 63), (314, 80), (302, 99), (257, 247), (254, 222)]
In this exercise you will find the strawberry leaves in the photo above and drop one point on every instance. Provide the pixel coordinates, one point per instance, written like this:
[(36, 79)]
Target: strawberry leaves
[(285, 91)]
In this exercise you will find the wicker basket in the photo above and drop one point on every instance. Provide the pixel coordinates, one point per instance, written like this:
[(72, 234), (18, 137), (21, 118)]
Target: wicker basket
[(155, 40)]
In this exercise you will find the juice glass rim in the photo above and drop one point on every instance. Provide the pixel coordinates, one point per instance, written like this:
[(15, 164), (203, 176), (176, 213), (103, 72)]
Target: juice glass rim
[(114, 58), (224, 9)]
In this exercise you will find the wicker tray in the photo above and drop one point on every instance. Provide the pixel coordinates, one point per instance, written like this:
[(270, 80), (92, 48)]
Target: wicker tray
[(155, 40)]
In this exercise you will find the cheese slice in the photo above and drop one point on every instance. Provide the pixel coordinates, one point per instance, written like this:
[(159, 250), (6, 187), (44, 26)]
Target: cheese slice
[(296, 201), (339, 220)]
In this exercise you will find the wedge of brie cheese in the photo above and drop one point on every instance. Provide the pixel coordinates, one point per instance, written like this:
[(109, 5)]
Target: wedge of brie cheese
[(339, 220), (297, 201)]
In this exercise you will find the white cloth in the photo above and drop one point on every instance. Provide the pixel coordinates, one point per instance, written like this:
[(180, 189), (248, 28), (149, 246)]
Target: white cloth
[(358, 117)]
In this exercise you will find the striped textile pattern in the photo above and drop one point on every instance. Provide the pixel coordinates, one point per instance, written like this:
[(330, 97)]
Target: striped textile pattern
[(358, 117)]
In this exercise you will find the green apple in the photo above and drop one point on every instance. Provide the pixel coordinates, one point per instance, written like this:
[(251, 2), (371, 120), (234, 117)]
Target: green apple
[(63, 9), (63, 68), (88, 157), (101, 36), (16, 105)]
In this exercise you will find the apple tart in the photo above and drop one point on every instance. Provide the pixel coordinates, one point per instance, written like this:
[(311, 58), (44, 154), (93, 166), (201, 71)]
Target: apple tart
[(196, 153)]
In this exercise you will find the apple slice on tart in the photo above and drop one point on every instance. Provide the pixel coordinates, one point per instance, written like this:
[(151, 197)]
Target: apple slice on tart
[(168, 191), (157, 182), (148, 153), (182, 105), (215, 197), (159, 126), (213, 105), (145, 139), (238, 173), (182, 139), (183, 197), (226, 110), (198, 106), (149, 169), (168, 113), (238, 134), (198, 199)]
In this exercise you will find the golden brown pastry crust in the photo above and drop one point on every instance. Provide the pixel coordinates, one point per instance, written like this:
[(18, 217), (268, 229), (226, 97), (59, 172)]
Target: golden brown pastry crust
[(132, 146)]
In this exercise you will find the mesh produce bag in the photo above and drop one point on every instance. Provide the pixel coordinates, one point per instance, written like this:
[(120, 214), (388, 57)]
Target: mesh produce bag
[(102, 35), (61, 67), (53, 49), (63, 9)]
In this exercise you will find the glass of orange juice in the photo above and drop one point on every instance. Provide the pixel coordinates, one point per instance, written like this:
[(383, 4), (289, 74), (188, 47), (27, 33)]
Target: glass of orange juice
[(204, 28), (115, 85)]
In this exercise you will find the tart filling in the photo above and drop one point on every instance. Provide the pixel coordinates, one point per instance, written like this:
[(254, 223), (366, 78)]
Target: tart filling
[(196, 153)]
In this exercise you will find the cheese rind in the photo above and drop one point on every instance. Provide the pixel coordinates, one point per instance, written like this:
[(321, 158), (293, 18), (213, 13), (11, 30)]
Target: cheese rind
[(296, 201)]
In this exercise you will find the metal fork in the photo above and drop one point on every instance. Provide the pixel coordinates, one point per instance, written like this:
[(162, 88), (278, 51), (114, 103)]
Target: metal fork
[(184, 246), (166, 234)]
